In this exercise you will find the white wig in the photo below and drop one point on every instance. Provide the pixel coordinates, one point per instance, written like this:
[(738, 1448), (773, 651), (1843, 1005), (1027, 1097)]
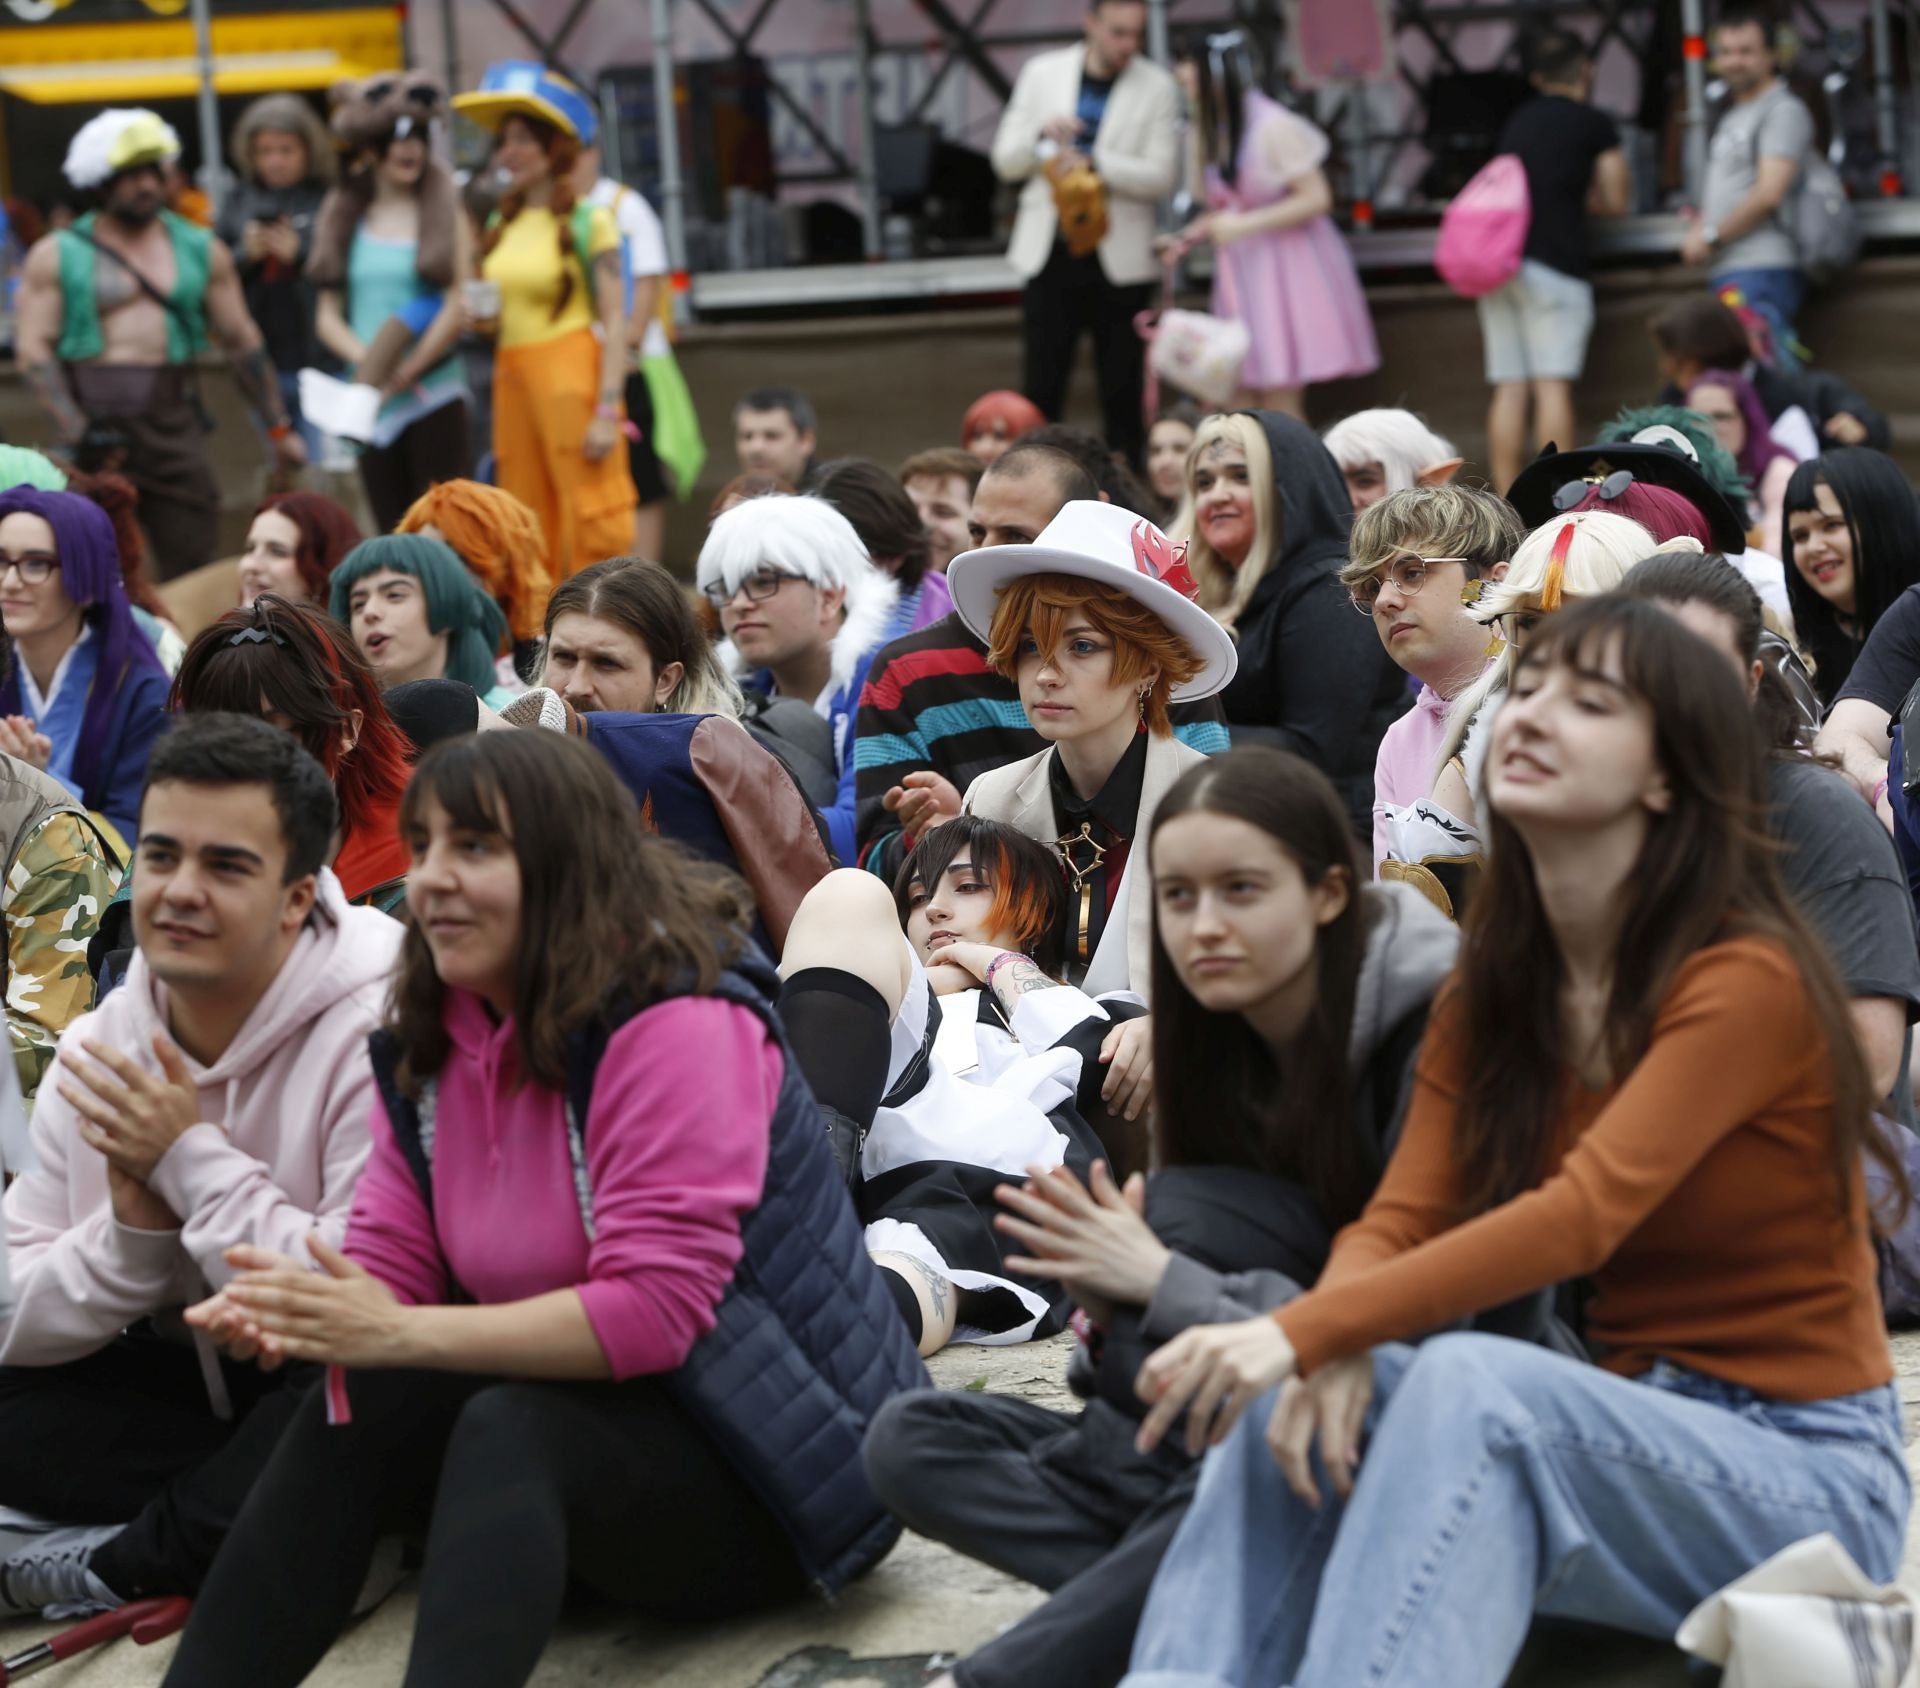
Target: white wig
[(116, 140), (1403, 445), (806, 536)]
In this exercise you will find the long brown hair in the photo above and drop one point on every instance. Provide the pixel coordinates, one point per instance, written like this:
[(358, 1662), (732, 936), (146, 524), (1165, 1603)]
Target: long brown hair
[(609, 913), (1706, 873), (563, 152), (1222, 1095)]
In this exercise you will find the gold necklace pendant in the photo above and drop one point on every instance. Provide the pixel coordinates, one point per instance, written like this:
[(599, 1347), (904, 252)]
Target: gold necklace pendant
[(1066, 847)]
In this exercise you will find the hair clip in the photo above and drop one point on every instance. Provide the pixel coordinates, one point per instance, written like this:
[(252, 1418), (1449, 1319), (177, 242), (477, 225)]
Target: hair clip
[(1472, 593), (254, 636), (1550, 588)]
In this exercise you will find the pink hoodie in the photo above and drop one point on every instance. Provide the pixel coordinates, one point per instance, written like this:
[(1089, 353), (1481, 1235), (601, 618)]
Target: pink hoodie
[(678, 1135), (283, 1139)]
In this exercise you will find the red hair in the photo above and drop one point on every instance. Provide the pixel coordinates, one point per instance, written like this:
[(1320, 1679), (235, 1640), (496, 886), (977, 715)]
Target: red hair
[(305, 666), (327, 533), (1038, 607), (1664, 513), (1014, 412)]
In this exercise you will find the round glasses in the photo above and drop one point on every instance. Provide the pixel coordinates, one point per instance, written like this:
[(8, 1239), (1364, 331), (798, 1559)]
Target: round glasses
[(1408, 575), (758, 586), (34, 567)]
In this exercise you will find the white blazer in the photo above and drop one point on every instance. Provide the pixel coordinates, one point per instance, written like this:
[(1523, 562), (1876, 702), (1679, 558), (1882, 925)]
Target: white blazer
[(1020, 795), (1136, 152)]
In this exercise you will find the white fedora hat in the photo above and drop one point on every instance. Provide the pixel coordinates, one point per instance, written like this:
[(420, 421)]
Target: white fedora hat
[(1102, 542)]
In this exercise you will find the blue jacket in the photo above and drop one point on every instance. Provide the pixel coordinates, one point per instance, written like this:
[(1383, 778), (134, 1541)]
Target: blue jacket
[(806, 1344), (843, 714), (140, 711)]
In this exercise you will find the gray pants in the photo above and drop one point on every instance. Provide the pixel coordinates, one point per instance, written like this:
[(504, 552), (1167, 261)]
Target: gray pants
[(963, 1469)]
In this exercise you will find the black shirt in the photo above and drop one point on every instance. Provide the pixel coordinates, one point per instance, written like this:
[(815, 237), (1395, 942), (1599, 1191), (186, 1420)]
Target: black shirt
[(1889, 662), (1557, 141), (1841, 869), (1095, 835)]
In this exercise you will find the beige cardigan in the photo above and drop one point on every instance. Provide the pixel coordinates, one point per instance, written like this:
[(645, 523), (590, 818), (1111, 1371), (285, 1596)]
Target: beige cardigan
[(1020, 795)]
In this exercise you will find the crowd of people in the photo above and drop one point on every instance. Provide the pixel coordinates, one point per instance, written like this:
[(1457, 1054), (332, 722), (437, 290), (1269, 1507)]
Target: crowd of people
[(527, 1049)]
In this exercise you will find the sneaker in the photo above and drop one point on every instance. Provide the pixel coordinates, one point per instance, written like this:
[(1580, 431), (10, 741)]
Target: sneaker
[(45, 1569)]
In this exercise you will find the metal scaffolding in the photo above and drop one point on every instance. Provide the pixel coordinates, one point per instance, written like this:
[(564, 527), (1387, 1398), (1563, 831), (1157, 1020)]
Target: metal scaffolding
[(1367, 152)]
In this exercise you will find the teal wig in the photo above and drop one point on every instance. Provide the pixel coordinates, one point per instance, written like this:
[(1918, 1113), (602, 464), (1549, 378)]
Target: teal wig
[(1716, 462), (457, 605)]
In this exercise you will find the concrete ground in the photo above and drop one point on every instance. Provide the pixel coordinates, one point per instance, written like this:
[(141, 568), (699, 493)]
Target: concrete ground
[(920, 1605)]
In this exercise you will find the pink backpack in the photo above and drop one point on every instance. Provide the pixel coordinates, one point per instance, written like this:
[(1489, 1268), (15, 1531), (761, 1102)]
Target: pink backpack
[(1483, 235)]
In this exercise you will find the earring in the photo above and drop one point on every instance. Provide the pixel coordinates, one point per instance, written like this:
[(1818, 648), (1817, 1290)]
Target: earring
[(1144, 691)]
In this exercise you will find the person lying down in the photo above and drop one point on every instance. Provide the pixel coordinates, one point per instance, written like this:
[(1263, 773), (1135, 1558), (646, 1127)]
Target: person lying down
[(949, 1058)]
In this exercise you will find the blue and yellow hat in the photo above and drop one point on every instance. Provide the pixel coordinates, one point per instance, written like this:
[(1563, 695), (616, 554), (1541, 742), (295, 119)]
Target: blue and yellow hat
[(526, 88)]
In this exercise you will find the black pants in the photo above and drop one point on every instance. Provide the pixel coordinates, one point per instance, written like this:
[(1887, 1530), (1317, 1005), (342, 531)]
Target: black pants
[(128, 1434), (523, 1483), (1068, 297), (961, 1469), (432, 449)]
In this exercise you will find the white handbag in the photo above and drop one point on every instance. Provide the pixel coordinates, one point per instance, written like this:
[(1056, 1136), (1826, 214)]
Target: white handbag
[(1197, 352)]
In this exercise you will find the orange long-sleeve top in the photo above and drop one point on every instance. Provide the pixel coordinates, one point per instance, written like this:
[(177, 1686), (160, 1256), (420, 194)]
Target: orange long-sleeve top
[(1698, 1193)]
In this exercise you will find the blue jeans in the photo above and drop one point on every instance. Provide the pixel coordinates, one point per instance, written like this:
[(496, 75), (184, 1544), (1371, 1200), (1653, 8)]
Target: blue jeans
[(1776, 293), (1501, 1480)]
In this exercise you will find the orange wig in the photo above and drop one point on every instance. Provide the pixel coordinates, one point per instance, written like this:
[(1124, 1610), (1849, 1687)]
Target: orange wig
[(499, 539), (1041, 607)]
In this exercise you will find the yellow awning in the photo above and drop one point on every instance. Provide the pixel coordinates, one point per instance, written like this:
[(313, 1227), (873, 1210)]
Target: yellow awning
[(127, 63)]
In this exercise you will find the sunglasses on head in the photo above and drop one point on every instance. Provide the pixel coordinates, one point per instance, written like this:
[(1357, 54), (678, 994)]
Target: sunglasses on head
[(1609, 489)]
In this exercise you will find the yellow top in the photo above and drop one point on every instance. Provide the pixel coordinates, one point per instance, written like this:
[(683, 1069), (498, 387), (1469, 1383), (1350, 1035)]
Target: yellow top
[(528, 266)]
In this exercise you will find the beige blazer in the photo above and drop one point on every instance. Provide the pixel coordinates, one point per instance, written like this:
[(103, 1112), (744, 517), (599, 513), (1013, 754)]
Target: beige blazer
[(1020, 795), (1136, 152)]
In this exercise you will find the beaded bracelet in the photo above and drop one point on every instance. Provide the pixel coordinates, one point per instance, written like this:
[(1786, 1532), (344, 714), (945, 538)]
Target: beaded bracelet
[(1000, 960)]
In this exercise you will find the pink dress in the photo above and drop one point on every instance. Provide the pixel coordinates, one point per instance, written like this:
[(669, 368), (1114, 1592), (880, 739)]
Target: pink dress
[(1295, 289)]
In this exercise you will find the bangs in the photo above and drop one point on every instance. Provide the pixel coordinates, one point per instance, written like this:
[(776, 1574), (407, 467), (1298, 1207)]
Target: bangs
[(237, 678), (455, 776), (1613, 642), (1029, 889)]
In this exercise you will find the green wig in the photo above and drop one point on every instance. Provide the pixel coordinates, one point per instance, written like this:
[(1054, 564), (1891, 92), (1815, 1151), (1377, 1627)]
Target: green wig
[(456, 603), (1717, 466), (22, 466)]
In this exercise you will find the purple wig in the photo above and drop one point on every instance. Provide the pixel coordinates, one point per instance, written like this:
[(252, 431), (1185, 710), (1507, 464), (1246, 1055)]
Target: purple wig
[(90, 575), (1761, 447)]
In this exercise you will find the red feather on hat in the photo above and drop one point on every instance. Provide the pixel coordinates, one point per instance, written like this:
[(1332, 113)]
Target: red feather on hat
[(1159, 558)]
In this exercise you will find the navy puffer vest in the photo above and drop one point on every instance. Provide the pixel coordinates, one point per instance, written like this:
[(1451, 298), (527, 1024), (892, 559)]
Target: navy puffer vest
[(806, 1343)]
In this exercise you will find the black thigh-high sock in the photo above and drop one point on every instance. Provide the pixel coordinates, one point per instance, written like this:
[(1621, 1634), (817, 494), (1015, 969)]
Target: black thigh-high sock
[(841, 1035)]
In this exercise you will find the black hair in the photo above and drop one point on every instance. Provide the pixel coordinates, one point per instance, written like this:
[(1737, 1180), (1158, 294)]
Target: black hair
[(1745, 14), (1107, 469), (885, 517), (1554, 56), (790, 399), (1030, 892), (1883, 521), (1069, 476), (219, 749), (1693, 577)]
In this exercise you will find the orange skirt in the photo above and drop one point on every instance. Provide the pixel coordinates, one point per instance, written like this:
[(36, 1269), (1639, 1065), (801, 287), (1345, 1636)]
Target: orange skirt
[(544, 396)]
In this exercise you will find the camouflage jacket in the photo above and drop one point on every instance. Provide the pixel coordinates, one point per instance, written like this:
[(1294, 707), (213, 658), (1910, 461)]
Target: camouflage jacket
[(58, 882)]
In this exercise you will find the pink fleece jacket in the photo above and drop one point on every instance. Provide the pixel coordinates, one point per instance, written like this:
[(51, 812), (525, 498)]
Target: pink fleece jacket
[(677, 1145), (282, 1140)]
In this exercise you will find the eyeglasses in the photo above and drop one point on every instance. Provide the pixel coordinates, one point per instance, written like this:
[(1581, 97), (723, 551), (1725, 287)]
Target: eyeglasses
[(758, 586), (34, 567), (1573, 492), (1408, 575)]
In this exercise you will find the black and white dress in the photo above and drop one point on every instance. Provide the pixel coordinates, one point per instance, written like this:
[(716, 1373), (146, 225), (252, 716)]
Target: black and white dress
[(974, 1097)]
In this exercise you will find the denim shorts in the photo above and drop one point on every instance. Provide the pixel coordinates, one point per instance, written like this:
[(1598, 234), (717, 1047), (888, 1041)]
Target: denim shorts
[(1536, 327)]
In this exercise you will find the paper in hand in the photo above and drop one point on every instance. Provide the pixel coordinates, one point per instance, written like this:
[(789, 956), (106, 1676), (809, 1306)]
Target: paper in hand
[(343, 408)]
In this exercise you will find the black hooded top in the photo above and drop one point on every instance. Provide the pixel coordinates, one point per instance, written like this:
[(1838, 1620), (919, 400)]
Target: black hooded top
[(1313, 670)]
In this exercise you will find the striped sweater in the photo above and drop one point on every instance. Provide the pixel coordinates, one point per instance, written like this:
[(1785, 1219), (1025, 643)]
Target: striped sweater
[(931, 701)]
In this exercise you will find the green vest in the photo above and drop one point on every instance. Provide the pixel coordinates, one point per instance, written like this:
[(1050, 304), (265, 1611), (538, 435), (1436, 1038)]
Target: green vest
[(80, 337)]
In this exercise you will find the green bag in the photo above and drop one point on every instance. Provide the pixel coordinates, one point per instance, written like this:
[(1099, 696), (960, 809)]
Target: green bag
[(677, 440)]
